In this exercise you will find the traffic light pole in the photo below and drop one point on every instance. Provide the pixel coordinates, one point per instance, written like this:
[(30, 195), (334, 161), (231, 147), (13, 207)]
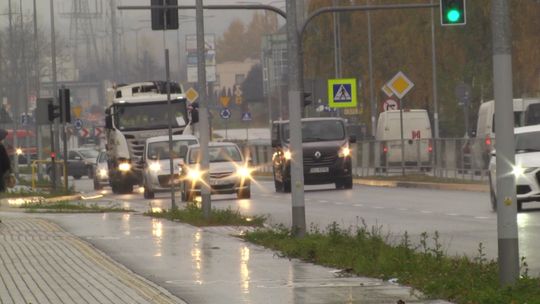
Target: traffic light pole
[(56, 146), (64, 120), (507, 230)]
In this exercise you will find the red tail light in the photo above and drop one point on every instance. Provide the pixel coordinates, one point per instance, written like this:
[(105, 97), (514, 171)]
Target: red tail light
[(430, 146), (384, 148), (488, 141)]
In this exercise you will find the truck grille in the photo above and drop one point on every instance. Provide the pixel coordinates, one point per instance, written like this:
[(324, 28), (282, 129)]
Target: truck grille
[(326, 159), (523, 189), (165, 180)]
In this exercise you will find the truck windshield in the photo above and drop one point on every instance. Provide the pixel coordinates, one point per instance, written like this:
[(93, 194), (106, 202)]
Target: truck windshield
[(321, 130), (528, 142), (149, 116)]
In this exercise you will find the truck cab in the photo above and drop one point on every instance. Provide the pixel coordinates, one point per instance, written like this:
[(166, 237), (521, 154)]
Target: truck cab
[(137, 112), (326, 150)]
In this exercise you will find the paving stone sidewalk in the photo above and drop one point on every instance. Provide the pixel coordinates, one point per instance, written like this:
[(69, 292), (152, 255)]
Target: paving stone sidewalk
[(42, 263)]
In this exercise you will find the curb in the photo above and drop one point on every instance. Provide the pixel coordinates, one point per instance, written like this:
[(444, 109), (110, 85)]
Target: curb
[(402, 184), (63, 198), (422, 185), (6, 201)]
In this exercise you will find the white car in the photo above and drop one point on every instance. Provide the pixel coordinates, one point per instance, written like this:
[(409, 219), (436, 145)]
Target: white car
[(156, 164), (229, 173), (527, 167), (101, 171)]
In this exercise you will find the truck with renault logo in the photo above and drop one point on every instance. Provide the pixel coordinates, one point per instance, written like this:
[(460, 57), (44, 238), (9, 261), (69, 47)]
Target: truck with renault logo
[(326, 149), (136, 112)]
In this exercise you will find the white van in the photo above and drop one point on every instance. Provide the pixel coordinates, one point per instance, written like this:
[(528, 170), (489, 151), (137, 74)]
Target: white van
[(416, 133), (485, 128)]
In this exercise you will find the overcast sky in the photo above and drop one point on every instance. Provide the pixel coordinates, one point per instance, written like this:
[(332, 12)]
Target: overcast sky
[(216, 21)]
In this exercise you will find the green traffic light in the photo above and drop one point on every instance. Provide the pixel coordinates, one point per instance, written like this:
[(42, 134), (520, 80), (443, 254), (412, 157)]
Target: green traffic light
[(453, 15)]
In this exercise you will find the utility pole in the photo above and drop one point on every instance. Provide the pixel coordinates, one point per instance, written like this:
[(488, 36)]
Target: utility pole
[(114, 41), (507, 230), (295, 124), (14, 93), (55, 94), (204, 132), (25, 84), (37, 87), (371, 82)]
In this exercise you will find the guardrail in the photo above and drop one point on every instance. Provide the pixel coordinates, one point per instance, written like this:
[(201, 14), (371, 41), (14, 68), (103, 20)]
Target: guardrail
[(458, 158)]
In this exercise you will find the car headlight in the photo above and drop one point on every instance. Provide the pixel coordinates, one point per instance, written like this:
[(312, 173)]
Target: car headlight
[(194, 174), (287, 154), (103, 173), (344, 152), (124, 167), (244, 172), (520, 170), (155, 167), (19, 151)]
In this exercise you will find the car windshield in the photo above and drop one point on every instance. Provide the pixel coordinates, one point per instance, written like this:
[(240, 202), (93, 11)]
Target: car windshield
[(217, 154), (322, 130), (528, 142), (90, 153), (147, 116), (160, 150)]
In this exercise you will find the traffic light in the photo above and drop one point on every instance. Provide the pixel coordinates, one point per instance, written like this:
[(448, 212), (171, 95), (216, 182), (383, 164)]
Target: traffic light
[(159, 16), (307, 99), (453, 12), (51, 112), (65, 103)]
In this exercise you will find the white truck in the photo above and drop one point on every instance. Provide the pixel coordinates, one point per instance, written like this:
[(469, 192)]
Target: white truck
[(136, 112)]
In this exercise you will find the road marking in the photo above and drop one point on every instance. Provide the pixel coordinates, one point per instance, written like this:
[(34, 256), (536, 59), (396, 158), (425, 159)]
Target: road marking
[(451, 214), (377, 207), (358, 205), (426, 211), (481, 217)]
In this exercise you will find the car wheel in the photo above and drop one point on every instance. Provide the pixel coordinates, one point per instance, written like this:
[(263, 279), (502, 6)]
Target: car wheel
[(90, 172), (148, 194), (286, 187), (97, 185), (278, 186), (339, 184), (348, 183), (244, 193), (127, 188), (115, 188)]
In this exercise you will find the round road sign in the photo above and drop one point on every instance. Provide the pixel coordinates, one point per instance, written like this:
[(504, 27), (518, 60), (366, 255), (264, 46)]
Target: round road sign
[(225, 113)]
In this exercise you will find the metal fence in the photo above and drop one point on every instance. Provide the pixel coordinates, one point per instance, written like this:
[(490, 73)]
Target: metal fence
[(458, 158)]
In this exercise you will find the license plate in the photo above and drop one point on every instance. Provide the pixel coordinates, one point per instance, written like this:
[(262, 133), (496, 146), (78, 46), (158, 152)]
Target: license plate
[(216, 182), (319, 170)]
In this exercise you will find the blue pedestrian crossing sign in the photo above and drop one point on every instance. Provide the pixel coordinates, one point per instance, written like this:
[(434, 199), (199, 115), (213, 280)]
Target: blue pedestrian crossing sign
[(342, 93), (225, 113), (246, 116)]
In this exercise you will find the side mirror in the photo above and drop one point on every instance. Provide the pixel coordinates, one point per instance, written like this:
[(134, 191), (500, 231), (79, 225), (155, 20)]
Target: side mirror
[(352, 139), (275, 143), (108, 122)]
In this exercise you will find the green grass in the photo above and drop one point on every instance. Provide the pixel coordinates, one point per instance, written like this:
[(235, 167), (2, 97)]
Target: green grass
[(70, 207), (193, 215), (422, 179), (367, 252)]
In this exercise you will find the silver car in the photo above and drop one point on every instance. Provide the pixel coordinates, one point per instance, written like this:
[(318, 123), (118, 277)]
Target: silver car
[(229, 173), (101, 171), (156, 164)]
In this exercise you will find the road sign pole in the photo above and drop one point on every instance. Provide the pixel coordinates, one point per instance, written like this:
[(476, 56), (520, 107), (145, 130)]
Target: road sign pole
[(63, 106), (203, 120), (507, 230), (402, 136), (169, 122)]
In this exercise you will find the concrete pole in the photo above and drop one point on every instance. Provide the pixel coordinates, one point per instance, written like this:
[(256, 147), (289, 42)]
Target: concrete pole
[(434, 85), (507, 230), (55, 92), (37, 87), (371, 81), (114, 42), (337, 43), (14, 94), (204, 132), (295, 124), (25, 84)]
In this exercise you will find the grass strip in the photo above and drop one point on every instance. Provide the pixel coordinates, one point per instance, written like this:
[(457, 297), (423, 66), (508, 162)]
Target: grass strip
[(193, 215), (425, 267), (70, 207)]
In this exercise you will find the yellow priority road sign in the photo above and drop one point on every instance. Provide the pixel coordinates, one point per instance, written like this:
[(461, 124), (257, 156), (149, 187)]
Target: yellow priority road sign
[(192, 95), (400, 85), (342, 93)]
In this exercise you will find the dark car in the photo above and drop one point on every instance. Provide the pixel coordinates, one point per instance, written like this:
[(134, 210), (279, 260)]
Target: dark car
[(80, 162), (326, 149)]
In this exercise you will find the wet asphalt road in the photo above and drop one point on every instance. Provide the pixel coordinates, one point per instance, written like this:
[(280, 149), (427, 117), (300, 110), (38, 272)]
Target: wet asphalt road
[(462, 219)]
